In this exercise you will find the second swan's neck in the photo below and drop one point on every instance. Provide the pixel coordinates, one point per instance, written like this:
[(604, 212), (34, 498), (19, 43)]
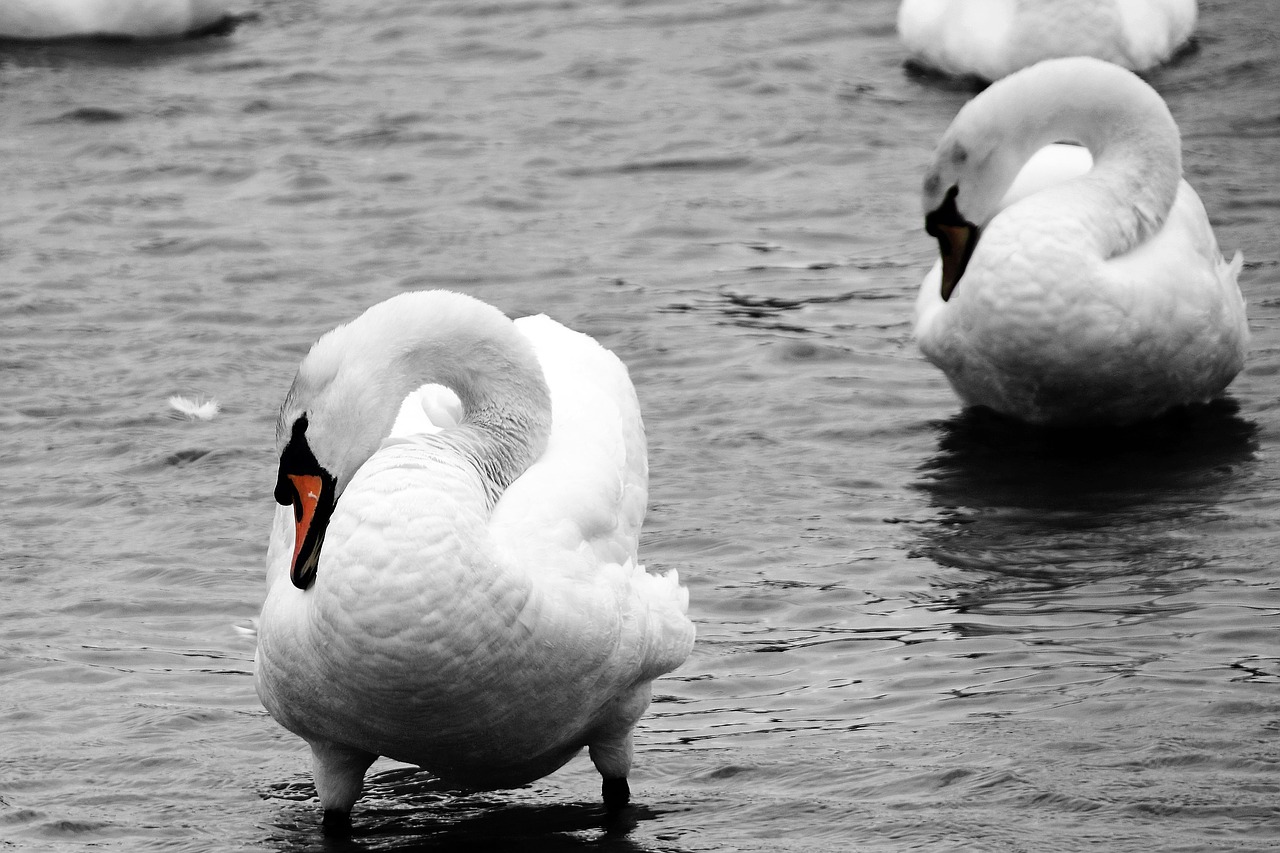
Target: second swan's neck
[(1125, 125)]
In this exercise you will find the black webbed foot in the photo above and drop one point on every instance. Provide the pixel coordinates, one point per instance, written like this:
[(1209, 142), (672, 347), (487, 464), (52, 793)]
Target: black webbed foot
[(336, 823), (616, 793)]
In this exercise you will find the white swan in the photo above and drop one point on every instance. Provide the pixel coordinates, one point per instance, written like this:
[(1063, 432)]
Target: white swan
[(993, 38), (452, 583), (143, 19), (1091, 291)]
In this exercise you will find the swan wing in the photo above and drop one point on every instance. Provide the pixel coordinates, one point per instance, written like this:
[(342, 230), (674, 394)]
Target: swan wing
[(588, 490), (428, 410), (1155, 29), (1179, 283), (1051, 165), (994, 38), (958, 36), (574, 516)]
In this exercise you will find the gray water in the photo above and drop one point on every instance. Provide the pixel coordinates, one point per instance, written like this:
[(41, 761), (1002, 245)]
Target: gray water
[(917, 630)]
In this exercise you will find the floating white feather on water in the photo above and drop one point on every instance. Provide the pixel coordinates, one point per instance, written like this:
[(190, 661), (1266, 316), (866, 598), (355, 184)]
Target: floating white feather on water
[(198, 409)]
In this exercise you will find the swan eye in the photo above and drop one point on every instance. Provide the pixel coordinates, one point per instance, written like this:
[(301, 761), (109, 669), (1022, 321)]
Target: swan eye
[(959, 155)]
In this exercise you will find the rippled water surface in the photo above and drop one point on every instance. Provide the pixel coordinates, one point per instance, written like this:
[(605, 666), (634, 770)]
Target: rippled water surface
[(917, 630)]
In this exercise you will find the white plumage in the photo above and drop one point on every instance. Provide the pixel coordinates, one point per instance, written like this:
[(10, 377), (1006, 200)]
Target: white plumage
[(476, 607), (1092, 290), (993, 38), (194, 409), (144, 19)]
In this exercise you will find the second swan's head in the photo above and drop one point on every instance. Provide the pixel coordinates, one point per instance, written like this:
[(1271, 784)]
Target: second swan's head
[(1101, 106)]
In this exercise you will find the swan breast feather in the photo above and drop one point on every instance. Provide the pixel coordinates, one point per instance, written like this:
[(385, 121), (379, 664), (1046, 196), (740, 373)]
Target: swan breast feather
[(1164, 321), (440, 625)]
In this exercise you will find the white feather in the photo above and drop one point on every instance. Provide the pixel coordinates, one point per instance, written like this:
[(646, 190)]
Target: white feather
[(198, 409)]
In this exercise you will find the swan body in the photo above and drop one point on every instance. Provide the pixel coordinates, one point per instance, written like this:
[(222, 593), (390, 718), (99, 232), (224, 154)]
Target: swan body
[(1078, 284), (142, 19), (990, 39), (473, 604)]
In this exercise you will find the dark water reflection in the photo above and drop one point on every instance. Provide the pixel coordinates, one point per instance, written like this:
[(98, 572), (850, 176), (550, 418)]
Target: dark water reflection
[(1079, 558), (1186, 459), (1052, 507), (108, 53), (1040, 520)]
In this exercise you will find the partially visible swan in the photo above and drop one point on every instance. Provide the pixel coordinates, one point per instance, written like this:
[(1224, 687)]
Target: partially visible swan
[(1090, 290), (452, 576), (993, 38), (142, 19)]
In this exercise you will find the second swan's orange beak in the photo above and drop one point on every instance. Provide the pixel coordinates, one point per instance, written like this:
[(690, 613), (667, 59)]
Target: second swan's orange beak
[(957, 237)]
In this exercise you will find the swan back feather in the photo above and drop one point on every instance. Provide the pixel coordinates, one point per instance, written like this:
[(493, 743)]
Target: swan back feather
[(991, 39), (144, 19)]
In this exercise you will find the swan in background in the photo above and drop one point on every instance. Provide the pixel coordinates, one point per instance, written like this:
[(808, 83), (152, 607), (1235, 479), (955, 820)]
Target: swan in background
[(993, 38), (452, 576), (141, 19), (1090, 290)]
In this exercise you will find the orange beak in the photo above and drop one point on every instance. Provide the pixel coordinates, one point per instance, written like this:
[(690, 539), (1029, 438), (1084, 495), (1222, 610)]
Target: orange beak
[(957, 237), (304, 484), (308, 488), (956, 243)]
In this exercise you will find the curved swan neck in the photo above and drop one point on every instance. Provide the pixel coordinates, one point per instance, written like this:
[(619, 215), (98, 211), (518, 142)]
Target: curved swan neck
[(506, 406), (354, 379), (1123, 122)]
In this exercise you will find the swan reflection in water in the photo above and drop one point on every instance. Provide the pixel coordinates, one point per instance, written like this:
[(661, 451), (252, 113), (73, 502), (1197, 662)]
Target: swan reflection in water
[(1028, 510)]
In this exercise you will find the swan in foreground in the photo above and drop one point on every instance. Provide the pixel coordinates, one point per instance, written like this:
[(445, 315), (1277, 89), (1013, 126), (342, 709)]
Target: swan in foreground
[(452, 575), (993, 38), (1090, 290), (142, 19)]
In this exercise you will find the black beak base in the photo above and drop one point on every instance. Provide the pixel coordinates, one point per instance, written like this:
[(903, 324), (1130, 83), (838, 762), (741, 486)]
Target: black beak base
[(957, 238)]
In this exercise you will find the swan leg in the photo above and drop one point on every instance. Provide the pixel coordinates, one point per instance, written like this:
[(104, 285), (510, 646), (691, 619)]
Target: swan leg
[(616, 794), (339, 777), (612, 757), (336, 823)]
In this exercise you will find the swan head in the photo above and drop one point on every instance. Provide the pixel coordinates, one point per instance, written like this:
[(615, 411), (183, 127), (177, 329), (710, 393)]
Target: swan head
[(348, 392), (962, 190), (1107, 109)]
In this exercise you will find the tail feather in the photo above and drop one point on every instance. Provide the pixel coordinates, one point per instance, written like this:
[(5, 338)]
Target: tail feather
[(669, 634), (1237, 264)]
